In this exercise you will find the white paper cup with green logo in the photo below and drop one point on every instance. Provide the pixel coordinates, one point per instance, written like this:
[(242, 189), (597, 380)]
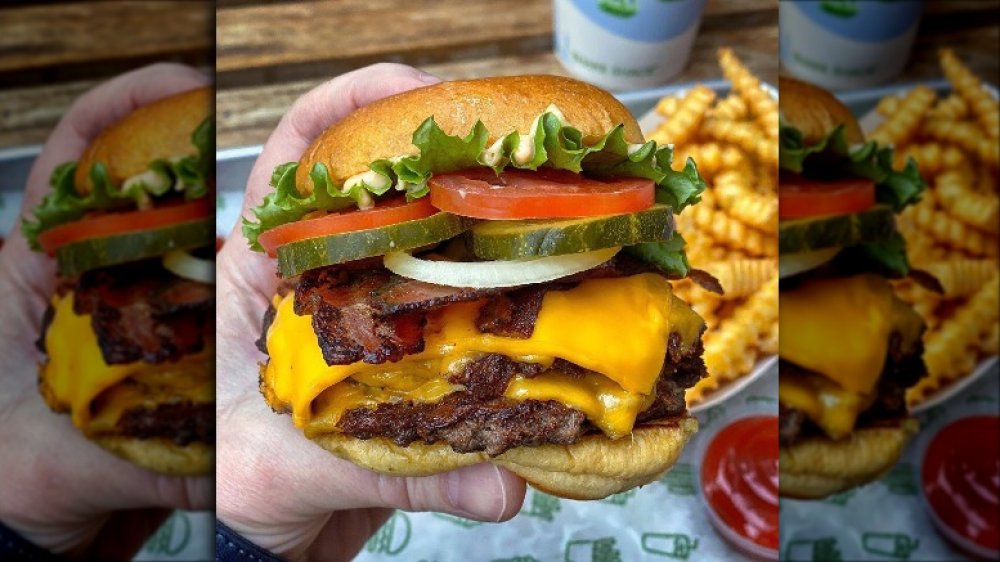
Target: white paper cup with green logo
[(625, 44), (847, 44)]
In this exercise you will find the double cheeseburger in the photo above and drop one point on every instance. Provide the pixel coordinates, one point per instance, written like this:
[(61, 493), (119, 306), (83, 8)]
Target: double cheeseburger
[(849, 347), (476, 271), (129, 333)]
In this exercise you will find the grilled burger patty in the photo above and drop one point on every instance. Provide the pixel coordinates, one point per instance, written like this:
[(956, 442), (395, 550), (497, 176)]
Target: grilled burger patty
[(903, 368), (363, 312)]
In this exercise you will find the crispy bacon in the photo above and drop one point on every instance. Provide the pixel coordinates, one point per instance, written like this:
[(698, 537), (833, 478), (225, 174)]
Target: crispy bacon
[(406, 295), (142, 312)]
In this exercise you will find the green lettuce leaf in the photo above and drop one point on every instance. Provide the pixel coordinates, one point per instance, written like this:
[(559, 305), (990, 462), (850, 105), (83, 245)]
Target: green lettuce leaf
[(668, 255), (553, 143), (886, 257), (190, 175), (831, 157)]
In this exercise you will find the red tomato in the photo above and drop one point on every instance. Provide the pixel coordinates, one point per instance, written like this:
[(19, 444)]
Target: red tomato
[(961, 482), (739, 477), (118, 223), (385, 213), (542, 194), (800, 197)]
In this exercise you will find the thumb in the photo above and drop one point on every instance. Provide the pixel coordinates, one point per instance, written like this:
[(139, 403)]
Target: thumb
[(483, 492)]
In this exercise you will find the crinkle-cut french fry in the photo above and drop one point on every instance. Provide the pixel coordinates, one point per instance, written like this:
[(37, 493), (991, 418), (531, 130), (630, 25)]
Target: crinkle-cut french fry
[(888, 105), (741, 278), (924, 302), (707, 156), (768, 343), (667, 106), (902, 125), (730, 350), (981, 210), (762, 105), (961, 277), (952, 107), (945, 348), (967, 136), (921, 247), (932, 157), (740, 201), (730, 108), (705, 303), (989, 343), (683, 124), (948, 230), (729, 231), (744, 136), (968, 85), (987, 180)]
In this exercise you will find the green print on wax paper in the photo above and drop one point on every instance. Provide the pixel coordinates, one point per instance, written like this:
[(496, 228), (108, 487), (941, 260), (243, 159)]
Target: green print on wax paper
[(393, 537), (677, 546), (901, 480), (897, 546), (603, 549), (815, 550), (621, 499), (679, 480), (541, 506), (172, 537)]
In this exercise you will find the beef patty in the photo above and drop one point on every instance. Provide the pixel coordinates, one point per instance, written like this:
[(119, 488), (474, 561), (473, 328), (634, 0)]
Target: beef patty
[(183, 422)]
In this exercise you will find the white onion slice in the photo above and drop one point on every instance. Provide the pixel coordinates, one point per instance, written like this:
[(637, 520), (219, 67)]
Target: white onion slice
[(490, 274), (185, 265), (793, 264)]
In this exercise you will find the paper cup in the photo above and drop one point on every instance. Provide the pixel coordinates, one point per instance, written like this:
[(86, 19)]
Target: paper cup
[(625, 44), (847, 44)]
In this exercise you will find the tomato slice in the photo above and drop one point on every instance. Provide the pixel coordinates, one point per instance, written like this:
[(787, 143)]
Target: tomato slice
[(118, 223), (801, 197), (385, 213), (542, 194)]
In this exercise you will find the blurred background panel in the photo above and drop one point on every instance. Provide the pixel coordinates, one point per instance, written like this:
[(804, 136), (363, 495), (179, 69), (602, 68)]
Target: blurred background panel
[(52, 52), (271, 53)]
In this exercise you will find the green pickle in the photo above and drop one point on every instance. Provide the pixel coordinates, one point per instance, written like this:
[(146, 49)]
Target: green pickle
[(77, 257), (805, 235), (300, 256), (515, 239)]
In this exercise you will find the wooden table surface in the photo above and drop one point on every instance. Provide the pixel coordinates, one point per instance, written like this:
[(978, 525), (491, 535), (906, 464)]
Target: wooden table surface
[(270, 53)]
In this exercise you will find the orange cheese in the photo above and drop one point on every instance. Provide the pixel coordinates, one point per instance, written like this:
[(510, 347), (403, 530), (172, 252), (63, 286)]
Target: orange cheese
[(618, 328)]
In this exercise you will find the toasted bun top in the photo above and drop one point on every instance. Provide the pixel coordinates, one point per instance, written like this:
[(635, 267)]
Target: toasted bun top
[(815, 111), (160, 130), (385, 128)]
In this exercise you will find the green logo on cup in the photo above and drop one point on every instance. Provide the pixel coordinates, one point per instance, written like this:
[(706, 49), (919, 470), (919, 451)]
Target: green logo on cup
[(815, 550), (679, 480), (543, 506), (393, 537), (760, 399), (619, 8), (672, 545), (597, 550), (900, 480), (172, 537), (840, 8), (840, 499), (893, 545), (621, 499), (460, 521)]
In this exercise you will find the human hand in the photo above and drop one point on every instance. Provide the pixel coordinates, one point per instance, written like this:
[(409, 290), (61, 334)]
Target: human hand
[(275, 487), (60, 490)]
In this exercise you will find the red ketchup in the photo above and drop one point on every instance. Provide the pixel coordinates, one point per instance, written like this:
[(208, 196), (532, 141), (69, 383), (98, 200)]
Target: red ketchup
[(739, 479), (961, 483)]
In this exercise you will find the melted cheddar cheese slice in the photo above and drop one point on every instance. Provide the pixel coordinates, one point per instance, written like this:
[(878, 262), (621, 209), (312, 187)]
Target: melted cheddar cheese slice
[(839, 329), (618, 328)]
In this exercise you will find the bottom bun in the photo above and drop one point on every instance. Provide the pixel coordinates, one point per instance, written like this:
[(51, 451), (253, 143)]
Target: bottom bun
[(162, 455), (593, 468), (819, 467)]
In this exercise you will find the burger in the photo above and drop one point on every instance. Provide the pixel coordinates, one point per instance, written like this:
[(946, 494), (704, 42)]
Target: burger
[(477, 271), (129, 333), (849, 347)]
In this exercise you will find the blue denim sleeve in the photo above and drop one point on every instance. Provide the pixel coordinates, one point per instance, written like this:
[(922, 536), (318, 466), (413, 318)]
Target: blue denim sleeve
[(231, 546), (14, 547)]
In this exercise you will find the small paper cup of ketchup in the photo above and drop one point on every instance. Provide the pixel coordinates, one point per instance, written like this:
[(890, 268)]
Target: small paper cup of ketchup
[(738, 480), (960, 483)]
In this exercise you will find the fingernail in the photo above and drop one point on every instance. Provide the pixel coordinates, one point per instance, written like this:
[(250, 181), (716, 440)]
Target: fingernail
[(427, 78), (477, 492)]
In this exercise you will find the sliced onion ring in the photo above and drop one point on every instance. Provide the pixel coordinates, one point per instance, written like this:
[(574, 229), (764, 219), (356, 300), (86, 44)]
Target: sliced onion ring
[(183, 264), (793, 264), (490, 274)]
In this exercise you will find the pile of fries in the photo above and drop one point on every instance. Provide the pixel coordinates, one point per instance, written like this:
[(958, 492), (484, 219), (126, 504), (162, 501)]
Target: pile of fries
[(952, 232), (732, 233)]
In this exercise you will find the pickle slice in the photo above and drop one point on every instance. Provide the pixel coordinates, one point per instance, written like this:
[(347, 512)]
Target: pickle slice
[(297, 257), (806, 235), (514, 239), (77, 257)]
